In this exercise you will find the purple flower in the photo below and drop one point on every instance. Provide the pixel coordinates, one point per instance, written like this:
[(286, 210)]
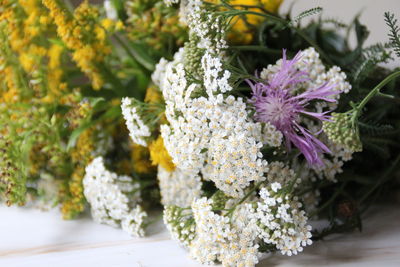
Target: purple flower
[(276, 103)]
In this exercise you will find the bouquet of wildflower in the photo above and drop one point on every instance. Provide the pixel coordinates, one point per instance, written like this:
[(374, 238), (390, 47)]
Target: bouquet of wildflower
[(249, 125)]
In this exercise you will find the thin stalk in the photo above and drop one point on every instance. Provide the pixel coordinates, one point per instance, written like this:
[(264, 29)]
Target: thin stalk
[(125, 47), (372, 93)]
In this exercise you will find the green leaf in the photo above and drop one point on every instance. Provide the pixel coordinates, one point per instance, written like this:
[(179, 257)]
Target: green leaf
[(140, 52), (306, 13), (93, 101), (57, 42), (76, 133), (362, 32), (394, 34), (110, 114)]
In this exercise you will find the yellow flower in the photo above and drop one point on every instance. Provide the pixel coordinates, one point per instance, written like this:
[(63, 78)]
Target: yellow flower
[(27, 61), (54, 54), (83, 33), (159, 155), (100, 33), (272, 5), (119, 25), (10, 79), (44, 20), (73, 203), (140, 157), (153, 95), (11, 96), (107, 23), (242, 31)]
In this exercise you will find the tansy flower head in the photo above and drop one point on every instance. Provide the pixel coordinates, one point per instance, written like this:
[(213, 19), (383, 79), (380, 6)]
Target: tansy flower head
[(275, 102)]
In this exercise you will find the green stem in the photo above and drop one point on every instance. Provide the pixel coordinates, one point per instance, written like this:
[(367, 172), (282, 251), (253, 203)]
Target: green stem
[(125, 47), (385, 95), (374, 92), (135, 55)]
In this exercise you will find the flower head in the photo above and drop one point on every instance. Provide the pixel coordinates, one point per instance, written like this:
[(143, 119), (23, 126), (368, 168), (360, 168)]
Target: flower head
[(277, 103)]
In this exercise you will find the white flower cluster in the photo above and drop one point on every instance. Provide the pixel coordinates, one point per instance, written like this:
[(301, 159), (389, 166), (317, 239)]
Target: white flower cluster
[(206, 25), (138, 130), (333, 162), (211, 133), (180, 224), (271, 136), (158, 74), (107, 194), (333, 165), (219, 239), (281, 222), (178, 187), (214, 134), (279, 173)]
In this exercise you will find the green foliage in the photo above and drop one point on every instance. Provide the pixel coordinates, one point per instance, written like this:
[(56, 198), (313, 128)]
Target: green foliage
[(394, 34), (30, 142), (372, 128), (306, 13), (368, 60), (12, 177)]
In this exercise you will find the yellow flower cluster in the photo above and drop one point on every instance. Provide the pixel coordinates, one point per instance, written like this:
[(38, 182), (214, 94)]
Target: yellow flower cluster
[(242, 27), (159, 155), (83, 33), (81, 155), (74, 202), (55, 72), (141, 159), (154, 23), (26, 22), (153, 95)]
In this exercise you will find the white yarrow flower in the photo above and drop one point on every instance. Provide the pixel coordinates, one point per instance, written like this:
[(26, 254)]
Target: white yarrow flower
[(281, 222), (178, 187), (138, 130), (107, 194)]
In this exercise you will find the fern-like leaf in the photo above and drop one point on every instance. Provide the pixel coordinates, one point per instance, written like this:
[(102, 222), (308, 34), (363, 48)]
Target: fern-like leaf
[(306, 13), (376, 129), (394, 34), (370, 57)]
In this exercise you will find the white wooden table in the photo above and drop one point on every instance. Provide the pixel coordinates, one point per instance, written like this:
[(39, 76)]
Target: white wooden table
[(30, 237)]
